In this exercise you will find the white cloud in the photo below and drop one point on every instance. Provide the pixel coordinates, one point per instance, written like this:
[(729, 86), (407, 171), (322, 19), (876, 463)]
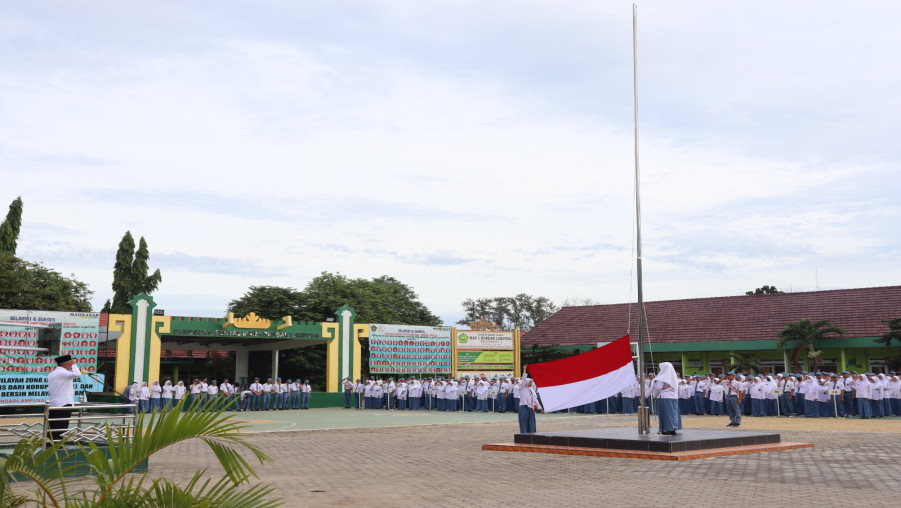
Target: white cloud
[(467, 148)]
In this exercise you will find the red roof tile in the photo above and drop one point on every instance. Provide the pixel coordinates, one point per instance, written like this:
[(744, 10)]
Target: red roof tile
[(727, 318)]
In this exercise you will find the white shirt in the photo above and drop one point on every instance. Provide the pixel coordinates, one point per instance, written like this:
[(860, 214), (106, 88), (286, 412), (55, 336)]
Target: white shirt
[(527, 395), (59, 382)]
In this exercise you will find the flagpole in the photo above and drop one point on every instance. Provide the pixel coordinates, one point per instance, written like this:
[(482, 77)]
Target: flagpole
[(644, 420)]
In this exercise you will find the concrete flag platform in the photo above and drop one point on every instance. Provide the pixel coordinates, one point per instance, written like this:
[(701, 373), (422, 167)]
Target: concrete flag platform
[(625, 442)]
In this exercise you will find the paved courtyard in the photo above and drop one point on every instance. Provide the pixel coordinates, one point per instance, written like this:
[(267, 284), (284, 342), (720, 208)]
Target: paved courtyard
[(336, 457)]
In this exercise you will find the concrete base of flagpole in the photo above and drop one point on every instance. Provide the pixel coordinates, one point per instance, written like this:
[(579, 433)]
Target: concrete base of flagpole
[(644, 420), (623, 442)]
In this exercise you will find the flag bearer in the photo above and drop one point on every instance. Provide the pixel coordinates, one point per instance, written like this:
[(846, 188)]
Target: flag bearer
[(665, 390)]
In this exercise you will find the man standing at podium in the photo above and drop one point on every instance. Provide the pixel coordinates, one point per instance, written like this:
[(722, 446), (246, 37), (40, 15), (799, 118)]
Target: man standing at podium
[(62, 394)]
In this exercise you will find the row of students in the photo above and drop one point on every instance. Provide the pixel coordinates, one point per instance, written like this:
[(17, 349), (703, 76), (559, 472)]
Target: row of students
[(257, 397), (469, 394), (276, 396), (814, 394)]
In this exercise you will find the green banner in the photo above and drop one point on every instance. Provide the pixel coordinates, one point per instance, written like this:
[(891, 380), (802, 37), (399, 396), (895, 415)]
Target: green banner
[(485, 360)]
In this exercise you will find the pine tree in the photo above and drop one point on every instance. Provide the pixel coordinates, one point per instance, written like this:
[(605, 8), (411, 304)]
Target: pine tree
[(130, 275), (9, 229)]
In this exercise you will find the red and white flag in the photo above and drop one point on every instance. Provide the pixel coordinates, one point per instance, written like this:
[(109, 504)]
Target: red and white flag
[(584, 378)]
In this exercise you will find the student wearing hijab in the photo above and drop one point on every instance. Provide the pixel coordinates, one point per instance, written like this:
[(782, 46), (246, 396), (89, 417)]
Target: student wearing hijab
[(144, 397), (862, 390), (665, 389), (156, 391), (894, 393), (180, 391), (166, 396), (716, 393), (131, 396), (528, 404)]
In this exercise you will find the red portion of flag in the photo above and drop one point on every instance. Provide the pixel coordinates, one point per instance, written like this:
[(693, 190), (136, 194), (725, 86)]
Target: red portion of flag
[(592, 364)]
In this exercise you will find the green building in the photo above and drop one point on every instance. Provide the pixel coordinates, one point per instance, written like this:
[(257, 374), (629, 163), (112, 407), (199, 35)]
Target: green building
[(703, 335)]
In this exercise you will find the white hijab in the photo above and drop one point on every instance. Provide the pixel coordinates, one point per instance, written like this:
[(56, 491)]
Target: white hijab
[(668, 375)]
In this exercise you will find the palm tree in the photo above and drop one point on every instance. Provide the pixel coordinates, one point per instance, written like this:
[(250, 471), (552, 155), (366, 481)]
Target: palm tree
[(807, 333), (114, 482), (747, 364)]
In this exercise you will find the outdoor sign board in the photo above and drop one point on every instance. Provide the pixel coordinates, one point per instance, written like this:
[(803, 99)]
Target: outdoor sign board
[(485, 352), (23, 373), (409, 349)]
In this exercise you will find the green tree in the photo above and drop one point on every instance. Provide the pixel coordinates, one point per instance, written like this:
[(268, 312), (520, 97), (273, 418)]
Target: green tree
[(805, 334), (9, 228), (25, 285), (131, 274), (888, 338), (379, 300), (114, 485), (538, 354), (520, 312), (765, 290)]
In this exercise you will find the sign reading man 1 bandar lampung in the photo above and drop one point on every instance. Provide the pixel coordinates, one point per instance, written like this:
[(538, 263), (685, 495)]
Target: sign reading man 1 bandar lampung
[(409, 349), (485, 351)]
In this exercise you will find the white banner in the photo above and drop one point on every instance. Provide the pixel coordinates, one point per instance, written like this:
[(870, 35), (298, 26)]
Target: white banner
[(472, 339)]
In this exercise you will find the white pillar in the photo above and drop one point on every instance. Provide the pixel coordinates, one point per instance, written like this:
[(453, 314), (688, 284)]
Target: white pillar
[(274, 364), (241, 365)]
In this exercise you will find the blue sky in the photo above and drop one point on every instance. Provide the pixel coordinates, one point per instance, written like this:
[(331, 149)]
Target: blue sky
[(469, 149)]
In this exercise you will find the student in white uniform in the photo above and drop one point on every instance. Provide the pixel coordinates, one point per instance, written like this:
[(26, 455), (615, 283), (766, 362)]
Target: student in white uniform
[(305, 391), (359, 391), (415, 394), (481, 391), (348, 386), (733, 398), (256, 388), (528, 404), (684, 397), (166, 396), (267, 394), (893, 392), (156, 392), (400, 393), (664, 388), (716, 394), (131, 396), (862, 390), (227, 392), (180, 393)]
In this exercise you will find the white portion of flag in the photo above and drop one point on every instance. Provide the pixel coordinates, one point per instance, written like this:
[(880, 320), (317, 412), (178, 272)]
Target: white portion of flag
[(555, 398)]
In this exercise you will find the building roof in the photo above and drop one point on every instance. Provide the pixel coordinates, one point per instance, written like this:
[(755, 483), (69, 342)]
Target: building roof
[(727, 318)]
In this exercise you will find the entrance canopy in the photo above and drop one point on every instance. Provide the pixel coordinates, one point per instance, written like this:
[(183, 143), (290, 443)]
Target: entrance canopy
[(144, 336), (251, 332)]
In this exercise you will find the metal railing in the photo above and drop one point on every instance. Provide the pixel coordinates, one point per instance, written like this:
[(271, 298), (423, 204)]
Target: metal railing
[(88, 422)]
